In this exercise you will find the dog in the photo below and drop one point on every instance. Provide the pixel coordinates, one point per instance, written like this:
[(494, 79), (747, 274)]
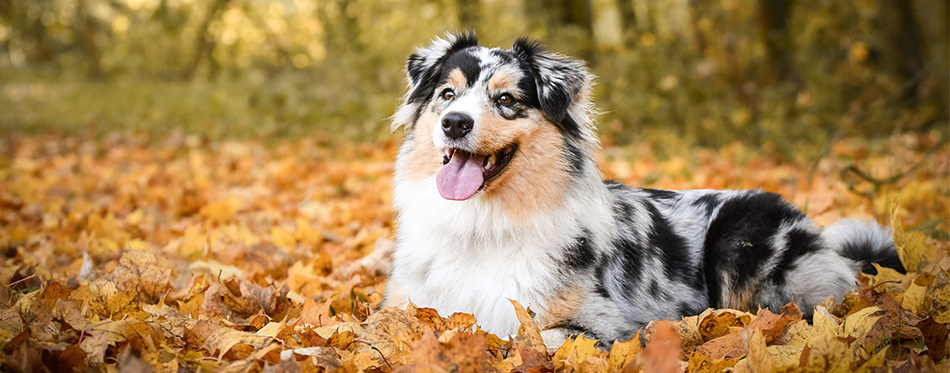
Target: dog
[(498, 196)]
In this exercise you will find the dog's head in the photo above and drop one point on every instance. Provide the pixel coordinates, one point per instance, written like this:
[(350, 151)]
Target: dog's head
[(489, 120)]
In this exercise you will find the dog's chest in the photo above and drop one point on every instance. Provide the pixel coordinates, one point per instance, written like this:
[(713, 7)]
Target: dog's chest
[(478, 280)]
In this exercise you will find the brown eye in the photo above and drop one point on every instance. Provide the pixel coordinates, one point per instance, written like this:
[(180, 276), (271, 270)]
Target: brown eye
[(448, 94), (505, 99)]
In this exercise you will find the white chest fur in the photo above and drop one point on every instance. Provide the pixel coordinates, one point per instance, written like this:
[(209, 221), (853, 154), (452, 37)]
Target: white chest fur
[(468, 257)]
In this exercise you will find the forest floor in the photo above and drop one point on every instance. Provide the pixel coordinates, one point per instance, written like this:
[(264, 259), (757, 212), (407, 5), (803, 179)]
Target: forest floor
[(191, 254)]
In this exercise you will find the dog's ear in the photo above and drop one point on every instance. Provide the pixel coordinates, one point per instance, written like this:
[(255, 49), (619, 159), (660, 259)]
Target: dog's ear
[(563, 84), (423, 69)]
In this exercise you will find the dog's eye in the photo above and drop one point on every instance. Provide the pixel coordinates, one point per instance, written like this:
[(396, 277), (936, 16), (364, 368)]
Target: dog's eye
[(505, 99), (448, 94)]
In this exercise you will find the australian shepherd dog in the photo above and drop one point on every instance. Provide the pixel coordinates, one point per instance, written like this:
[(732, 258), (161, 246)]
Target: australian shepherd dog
[(498, 196)]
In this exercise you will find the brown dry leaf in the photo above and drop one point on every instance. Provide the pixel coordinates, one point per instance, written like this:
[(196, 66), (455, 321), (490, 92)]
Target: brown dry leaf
[(773, 326), (170, 320), (528, 334), (663, 352), (464, 352), (699, 362), (247, 235), (717, 323), (138, 271), (99, 337), (935, 338), (223, 339), (528, 345), (391, 330)]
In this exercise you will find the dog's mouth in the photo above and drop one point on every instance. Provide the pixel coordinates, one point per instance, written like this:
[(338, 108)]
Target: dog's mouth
[(463, 174)]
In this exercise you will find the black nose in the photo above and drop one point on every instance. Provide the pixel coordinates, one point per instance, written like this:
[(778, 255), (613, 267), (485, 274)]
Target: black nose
[(456, 125)]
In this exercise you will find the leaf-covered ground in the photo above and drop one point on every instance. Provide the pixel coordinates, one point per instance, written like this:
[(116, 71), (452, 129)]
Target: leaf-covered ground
[(185, 254)]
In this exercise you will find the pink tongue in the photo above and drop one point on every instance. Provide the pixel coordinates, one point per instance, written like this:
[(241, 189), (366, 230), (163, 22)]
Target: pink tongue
[(461, 177)]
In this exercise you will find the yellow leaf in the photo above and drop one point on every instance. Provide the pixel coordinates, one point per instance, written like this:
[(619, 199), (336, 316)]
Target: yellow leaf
[(824, 321), (859, 324), (884, 274), (758, 358), (939, 296), (911, 246), (623, 353), (699, 362), (283, 238), (575, 352), (222, 339), (528, 333), (98, 339), (914, 297), (221, 211)]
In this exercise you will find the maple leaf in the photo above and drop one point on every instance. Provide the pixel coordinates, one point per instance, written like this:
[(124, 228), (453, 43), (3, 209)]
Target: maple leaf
[(139, 271)]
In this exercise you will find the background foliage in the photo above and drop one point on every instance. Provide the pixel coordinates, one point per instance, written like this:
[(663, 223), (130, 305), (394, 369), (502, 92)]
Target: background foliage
[(704, 72)]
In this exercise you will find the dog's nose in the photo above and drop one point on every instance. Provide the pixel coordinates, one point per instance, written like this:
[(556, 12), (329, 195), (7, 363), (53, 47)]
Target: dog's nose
[(456, 125)]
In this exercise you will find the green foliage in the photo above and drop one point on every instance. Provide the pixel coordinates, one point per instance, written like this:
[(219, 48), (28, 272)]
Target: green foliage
[(670, 72)]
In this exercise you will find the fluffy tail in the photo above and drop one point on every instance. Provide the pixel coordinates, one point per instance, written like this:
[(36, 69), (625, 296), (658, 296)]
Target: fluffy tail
[(864, 243)]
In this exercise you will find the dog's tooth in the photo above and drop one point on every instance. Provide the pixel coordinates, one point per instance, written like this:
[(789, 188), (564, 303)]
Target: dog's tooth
[(489, 162)]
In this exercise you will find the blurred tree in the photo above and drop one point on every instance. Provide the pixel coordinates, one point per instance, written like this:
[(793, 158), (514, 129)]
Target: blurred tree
[(628, 18), (773, 23), (469, 14), (86, 27), (205, 40), (900, 50)]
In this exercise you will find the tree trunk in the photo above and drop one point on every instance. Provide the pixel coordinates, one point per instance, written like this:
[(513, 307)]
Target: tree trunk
[(86, 31), (773, 22), (204, 42)]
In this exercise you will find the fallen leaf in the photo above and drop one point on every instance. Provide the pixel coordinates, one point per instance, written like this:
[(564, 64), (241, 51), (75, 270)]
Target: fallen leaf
[(663, 351), (138, 271)]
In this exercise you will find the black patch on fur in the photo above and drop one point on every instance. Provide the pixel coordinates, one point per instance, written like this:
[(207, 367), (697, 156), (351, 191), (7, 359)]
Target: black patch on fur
[(615, 185), (684, 309), (709, 201), (425, 76), (862, 252), (581, 255), (672, 250), (466, 62), (574, 155), (738, 239), (600, 288), (574, 330), (661, 193), (799, 243), (654, 288), (631, 261), (558, 80)]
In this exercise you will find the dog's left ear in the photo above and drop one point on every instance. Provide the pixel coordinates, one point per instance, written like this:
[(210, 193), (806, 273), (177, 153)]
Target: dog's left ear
[(563, 85), (423, 68)]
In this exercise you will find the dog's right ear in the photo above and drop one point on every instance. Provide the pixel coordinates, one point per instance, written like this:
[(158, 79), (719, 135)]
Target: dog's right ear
[(423, 69)]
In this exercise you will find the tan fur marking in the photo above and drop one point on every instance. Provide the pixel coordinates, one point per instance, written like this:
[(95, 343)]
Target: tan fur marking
[(741, 299), (560, 308), (457, 78), (500, 81), (537, 177), (424, 159)]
